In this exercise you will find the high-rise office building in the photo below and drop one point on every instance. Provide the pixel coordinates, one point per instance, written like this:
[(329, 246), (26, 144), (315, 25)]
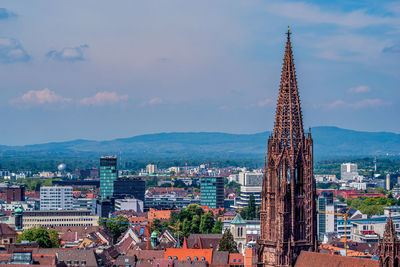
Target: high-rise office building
[(348, 171), (212, 192), (326, 219), (129, 188), (56, 198), (108, 174)]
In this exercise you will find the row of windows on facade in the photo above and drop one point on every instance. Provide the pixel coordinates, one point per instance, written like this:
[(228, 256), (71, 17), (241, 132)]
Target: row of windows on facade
[(76, 262), (58, 224), (59, 220)]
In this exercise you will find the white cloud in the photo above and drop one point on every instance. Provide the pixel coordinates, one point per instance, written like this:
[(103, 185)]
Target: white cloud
[(359, 89), (68, 53), (314, 14), (365, 103), (103, 98), (12, 51), (155, 100), (265, 102), (40, 97)]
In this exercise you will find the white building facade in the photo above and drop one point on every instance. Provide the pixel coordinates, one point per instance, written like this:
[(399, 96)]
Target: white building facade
[(56, 198)]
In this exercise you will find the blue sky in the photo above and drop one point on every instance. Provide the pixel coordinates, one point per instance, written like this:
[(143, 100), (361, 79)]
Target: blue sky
[(102, 70)]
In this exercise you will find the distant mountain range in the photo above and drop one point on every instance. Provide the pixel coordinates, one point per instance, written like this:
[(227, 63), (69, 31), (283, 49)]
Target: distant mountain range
[(328, 142)]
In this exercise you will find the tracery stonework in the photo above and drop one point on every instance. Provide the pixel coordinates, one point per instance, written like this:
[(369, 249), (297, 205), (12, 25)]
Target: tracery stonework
[(389, 246), (288, 209)]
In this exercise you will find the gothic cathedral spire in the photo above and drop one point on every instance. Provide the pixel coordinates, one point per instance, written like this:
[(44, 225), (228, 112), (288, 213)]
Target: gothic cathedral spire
[(288, 212)]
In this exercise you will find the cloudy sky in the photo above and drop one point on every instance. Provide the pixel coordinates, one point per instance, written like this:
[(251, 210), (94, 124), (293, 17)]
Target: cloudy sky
[(107, 69)]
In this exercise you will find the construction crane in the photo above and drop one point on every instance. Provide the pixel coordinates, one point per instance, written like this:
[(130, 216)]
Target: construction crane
[(105, 220), (345, 215)]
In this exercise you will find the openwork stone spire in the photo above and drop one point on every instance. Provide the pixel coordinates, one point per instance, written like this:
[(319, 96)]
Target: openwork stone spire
[(288, 213), (288, 119), (389, 245)]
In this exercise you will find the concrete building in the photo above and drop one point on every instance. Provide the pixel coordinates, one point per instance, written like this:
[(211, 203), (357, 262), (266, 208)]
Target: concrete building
[(151, 168), (56, 198), (348, 171), (358, 185), (388, 187), (321, 178), (169, 202), (251, 185), (84, 204), (129, 204), (250, 178), (57, 218)]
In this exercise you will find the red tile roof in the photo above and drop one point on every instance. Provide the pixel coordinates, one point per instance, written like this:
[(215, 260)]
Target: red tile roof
[(311, 259)]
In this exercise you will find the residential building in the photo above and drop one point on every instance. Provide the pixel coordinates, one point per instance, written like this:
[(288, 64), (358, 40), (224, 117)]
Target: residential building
[(348, 171), (212, 192), (108, 174), (56, 198), (129, 188), (151, 168)]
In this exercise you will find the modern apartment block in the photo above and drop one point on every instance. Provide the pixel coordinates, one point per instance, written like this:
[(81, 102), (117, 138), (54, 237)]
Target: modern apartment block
[(56, 198), (108, 174), (212, 192)]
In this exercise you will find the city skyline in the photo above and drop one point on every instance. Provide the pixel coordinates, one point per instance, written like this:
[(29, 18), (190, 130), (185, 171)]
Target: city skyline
[(150, 67)]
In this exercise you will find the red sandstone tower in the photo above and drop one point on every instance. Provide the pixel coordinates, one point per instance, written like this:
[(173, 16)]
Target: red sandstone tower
[(288, 211)]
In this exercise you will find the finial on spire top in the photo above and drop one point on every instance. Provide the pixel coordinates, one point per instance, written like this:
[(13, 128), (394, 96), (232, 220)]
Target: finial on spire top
[(288, 32)]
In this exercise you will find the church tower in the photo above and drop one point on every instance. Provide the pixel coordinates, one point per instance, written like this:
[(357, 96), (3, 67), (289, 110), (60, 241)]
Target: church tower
[(389, 246), (288, 209)]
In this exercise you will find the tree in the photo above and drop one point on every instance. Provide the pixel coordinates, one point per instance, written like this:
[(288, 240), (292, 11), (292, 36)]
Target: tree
[(54, 239), (251, 212), (207, 223), (244, 212), (156, 225), (116, 225), (195, 226), (186, 227), (44, 238), (217, 229), (227, 243)]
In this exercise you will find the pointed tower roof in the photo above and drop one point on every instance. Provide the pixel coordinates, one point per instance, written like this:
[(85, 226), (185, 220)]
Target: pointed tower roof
[(185, 245), (238, 220), (288, 119), (390, 232)]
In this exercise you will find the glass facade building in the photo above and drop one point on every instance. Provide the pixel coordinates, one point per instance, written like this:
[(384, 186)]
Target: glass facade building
[(129, 188), (212, 192), (108, 174)]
